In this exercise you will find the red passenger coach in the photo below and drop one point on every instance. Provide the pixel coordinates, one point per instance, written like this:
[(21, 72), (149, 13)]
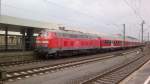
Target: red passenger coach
[(106, 43)]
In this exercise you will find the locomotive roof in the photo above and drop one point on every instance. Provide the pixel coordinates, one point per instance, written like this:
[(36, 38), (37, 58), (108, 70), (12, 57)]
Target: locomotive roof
[(72, 32)]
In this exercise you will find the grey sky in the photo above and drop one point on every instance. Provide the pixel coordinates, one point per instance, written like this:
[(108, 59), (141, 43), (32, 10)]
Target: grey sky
[(104, 16)]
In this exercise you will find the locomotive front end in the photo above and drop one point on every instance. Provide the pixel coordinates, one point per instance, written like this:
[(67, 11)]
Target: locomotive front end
[(42, 44)]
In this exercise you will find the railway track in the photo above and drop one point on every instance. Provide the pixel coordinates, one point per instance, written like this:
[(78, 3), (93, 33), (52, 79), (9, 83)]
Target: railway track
[(16, 63), (17, 75), (117, 73)]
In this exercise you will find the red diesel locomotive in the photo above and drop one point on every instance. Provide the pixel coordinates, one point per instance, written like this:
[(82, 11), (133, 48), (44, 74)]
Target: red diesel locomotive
[(54, 43)]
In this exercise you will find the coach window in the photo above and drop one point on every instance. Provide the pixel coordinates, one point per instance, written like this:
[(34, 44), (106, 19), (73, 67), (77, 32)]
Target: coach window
[(110, 41), (114, 42), (105, 41)]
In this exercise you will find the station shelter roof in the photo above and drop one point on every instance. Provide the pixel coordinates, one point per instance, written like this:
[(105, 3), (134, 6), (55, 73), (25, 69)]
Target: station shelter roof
[(15, 24)]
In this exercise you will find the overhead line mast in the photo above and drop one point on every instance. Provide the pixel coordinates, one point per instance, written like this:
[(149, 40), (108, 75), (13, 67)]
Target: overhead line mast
[(148, 37), (124, 34), (142, 31)]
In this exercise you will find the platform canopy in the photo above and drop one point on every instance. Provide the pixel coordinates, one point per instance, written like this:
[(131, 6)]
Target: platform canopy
[(15, 23)]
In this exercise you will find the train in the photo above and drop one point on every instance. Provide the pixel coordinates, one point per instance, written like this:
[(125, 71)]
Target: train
[(56, 43)]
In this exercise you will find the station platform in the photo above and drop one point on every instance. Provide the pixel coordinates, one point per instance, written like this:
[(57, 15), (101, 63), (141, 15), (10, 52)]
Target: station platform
[(16, 56), (141, 76)]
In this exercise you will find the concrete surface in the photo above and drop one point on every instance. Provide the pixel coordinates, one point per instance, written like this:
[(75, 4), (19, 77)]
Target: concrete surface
[(141, 76)]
